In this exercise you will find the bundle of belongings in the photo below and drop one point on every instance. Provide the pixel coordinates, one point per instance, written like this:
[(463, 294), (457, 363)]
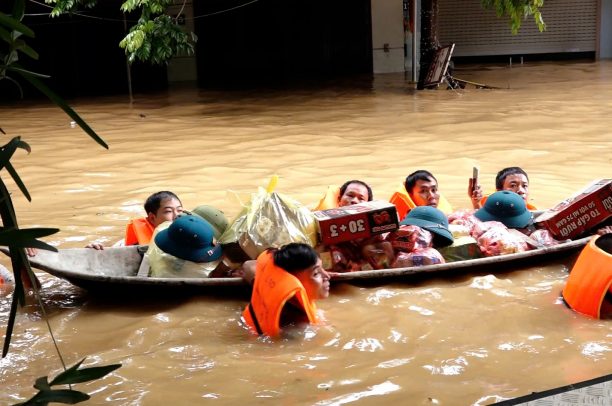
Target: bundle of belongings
[(502, 226), (269, 220), (413, 243)]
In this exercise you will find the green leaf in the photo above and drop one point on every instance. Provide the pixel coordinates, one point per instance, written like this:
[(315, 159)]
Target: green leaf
[(18, 9), (10, 324), (64, 106), (24, 145), (18, 181), (42, 383), (7, 211), (27, 237), (74, 375), (5, 36), (8, 150), (27, 72), (26, 49), (14, 24), (66, 396), (12, 57)]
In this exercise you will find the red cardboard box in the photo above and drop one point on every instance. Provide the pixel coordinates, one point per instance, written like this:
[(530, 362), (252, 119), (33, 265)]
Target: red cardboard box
[(579, 213), (357, 221)]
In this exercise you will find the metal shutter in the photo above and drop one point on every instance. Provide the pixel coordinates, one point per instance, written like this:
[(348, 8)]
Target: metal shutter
[(570, 27)]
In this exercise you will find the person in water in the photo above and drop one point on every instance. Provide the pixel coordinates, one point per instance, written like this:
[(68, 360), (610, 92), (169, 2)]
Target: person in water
[(286, 284), (513, 179), (160, 207), (588, 289), (351, 192)]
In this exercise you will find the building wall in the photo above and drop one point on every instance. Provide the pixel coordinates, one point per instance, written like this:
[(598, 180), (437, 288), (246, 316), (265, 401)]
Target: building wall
[(605, 33), (571, 27), (182, 68), (387, 36), (276, 42)]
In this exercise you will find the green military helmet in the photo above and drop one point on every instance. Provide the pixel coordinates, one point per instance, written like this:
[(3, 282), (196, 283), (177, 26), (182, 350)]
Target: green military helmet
[(214, 217)]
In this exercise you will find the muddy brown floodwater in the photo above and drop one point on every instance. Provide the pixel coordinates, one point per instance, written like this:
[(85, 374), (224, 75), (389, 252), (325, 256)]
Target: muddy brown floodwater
[(469, 339)]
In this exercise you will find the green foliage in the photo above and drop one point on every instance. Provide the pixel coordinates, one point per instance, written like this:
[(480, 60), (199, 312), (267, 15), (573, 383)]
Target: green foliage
[(517, 11), (152, 6), (155, 38), (64, 6), (72, 375)]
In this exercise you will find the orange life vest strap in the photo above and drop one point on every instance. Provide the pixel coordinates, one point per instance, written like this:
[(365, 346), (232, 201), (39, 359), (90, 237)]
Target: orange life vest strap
[(273, 287), (403, 203), (529, 205), (330, 200), (139, 232), (589, 280)]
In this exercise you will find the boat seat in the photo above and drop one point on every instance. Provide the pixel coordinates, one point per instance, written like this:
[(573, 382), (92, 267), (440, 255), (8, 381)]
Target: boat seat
[(145, 269)]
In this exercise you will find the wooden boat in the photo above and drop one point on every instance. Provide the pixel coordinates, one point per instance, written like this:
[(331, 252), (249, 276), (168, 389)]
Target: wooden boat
[(114, 269)]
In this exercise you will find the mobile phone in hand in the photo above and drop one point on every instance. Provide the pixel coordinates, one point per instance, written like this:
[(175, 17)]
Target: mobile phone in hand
[(474, 179)]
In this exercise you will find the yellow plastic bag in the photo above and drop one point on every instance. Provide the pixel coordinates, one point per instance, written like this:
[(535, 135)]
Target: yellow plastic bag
[(269, 220)]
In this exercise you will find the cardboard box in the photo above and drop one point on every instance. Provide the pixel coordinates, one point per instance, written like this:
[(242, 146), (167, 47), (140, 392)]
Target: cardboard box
[(581, 212), (357, 221)]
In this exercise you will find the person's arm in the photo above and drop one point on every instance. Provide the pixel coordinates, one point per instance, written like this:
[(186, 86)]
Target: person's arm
[(246, 271), (475, 193)]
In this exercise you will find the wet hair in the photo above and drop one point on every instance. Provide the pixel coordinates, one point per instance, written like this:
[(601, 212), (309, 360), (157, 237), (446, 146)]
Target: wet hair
[(295, 257), (604, 242), (504, 173), (153, 202), (412, 179), (359, 182)]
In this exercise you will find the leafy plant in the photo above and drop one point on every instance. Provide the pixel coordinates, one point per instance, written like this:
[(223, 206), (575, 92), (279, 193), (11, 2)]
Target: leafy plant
[(517, 11), (70, 376), (155, 38), (12, 32)]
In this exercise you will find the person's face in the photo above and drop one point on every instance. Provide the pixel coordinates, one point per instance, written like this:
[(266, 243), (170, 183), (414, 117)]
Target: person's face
[(169, 210), (354, 193), (518, 184), (425, 193), (315, 280)]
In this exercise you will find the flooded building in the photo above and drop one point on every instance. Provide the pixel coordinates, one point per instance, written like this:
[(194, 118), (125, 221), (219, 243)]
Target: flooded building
[(276, 42)]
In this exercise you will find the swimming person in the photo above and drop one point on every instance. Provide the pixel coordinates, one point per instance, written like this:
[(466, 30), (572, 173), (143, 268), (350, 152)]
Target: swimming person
[(287, 282)]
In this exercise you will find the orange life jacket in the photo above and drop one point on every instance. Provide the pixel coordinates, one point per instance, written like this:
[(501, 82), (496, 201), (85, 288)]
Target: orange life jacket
[(330, 200), (139, 232), (589, 280), (529, 205), (273, 287), (403, 203)]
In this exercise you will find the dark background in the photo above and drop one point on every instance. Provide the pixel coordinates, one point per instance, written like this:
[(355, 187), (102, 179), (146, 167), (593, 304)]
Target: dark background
[(267, 43)]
